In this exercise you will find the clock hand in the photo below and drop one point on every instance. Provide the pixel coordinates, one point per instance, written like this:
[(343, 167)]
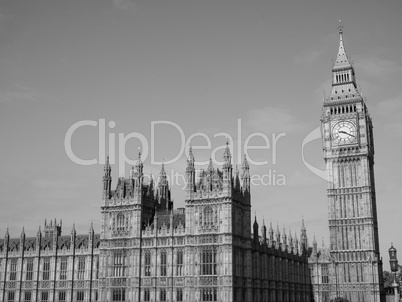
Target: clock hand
[(344, 132)]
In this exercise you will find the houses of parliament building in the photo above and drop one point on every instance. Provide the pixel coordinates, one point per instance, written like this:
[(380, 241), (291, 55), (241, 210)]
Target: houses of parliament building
[(148, 251), (212, 250)]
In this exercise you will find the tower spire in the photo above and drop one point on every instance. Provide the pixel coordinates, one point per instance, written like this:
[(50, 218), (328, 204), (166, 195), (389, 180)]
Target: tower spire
[(190, 173), (227, 170), (344, 86), (342, 60), (107, 180), (226, 155), (245, 174)]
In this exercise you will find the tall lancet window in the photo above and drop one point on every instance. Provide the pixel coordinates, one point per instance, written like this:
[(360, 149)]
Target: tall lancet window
[(118, 264), (147, 264), (179, 271), (120, 222), (208, 262), (208, 216), (163, 263)]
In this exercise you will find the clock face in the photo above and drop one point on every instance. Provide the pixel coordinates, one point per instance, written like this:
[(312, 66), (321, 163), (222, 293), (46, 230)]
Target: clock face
[(344, 133)]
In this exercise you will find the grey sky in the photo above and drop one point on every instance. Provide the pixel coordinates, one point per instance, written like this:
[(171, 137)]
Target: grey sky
[(202, 65)]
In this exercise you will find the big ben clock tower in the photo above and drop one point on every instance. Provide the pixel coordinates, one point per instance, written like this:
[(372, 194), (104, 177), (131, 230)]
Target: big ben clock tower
[(356, 267)]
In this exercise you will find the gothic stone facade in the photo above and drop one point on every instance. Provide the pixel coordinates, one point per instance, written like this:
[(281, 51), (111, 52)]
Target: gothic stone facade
[(352, 266), (147, 251), (50, 267)]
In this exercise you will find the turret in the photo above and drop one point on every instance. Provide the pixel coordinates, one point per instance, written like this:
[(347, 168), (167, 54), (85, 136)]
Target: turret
[(150, 191), (290, 241), (264, 233), (315, 249), (227, 171), (38, 240), (163, 185), (303, 238), (6, 240), (52, 228), (245, 178), (72, 237), (22, 239), (163, 191), (278, 236), (137, 179), (91, 235), (271, 234), (190, 174), (255, 230), (107, 179), (284, 238), (296, 244), (237, 184), (210, 176)]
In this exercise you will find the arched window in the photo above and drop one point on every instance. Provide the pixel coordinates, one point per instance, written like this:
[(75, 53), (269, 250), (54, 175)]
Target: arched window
[(208, 262), (163, 263), (179, 261), (118, 264), (208, 216), (120, 222), (147, 265)]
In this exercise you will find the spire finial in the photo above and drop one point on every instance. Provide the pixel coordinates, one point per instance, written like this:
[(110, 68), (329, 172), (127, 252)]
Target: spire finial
[(190, 152), (245, 165), (226, 155), (340, 27), (342, 60), (107, 164), (210, 165)]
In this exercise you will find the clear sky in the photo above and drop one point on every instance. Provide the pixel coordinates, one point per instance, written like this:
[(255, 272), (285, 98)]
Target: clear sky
[(201, 65)]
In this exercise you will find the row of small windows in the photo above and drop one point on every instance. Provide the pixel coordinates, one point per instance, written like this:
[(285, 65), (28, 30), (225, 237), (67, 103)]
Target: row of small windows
[(343, 109), (341, 78), (44, 296), (162, 295), (29, 273)]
